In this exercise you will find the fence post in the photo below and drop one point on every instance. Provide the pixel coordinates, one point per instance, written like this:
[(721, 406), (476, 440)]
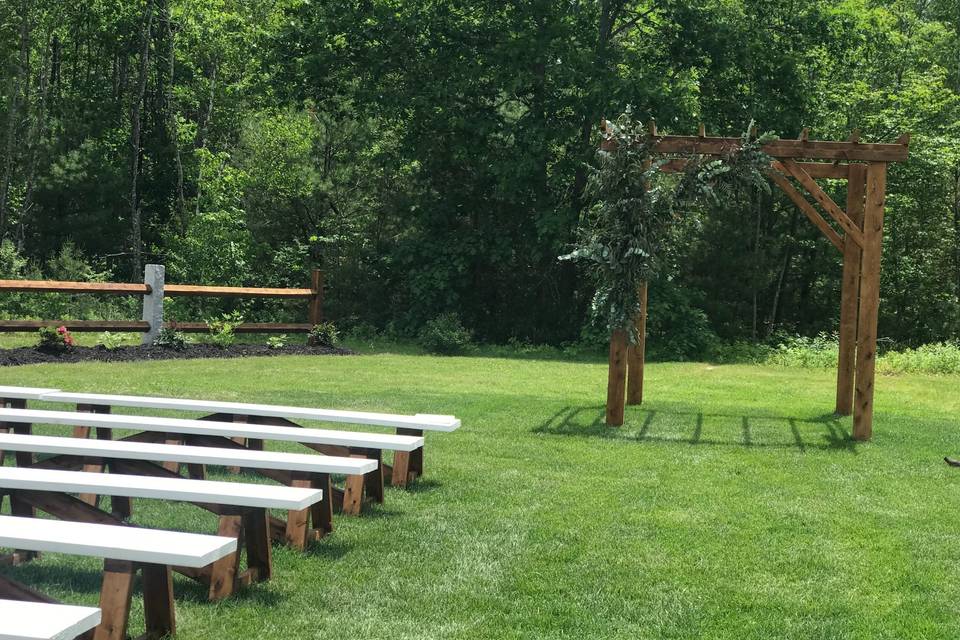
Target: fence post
[(315, 316), (153, 276)]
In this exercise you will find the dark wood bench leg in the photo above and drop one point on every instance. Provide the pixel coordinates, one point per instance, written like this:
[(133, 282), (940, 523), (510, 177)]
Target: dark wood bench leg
[(115, 596), (22, 509), (373, 481), (298, 522), (256, 525), (223, 575), (322, 513), (158, 609), (95, 465), (353, 490), (172, 467), (407, 465)]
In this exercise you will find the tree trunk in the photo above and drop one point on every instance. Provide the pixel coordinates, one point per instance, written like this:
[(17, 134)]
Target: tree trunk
[(180, 206), (37, 126), (18, 82), (136, 238)]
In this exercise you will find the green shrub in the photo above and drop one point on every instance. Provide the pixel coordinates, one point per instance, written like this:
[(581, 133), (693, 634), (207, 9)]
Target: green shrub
[(819, 352), (324, 334), (223, 329), (277, 342), (938, 358), (741, 352), (170, 338), (56, 340), (446, 335), (110, 341)]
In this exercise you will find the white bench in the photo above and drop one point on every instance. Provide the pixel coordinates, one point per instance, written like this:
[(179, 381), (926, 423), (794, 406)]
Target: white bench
[(125, 550), (242, 509), (420, 421), (293, 469), (44, 621), (336, 443), (407, 465)]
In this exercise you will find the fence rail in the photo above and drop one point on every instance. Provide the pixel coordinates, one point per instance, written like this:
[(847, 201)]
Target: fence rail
[(154, 290)]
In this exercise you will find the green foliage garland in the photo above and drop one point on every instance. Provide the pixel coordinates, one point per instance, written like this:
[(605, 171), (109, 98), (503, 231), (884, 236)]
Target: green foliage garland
[(637, 210)]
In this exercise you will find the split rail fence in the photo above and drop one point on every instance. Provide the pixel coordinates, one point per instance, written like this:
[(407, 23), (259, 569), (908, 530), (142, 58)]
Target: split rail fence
[(154, 290)]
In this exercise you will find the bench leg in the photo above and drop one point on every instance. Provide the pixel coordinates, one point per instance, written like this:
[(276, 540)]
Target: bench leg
[(407, 465), (400, 472), (256, 525), (353, 495), (172, 467), (298, 521), (223, 575), (158, 609), (373, 481), (22, 509), (322, 512), (115, 596)]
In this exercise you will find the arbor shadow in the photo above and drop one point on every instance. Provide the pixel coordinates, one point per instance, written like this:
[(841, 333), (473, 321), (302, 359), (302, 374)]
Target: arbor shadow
[(823, 432)]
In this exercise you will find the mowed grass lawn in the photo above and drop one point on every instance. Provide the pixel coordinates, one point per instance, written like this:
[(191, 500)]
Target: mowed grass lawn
[(731, 505)]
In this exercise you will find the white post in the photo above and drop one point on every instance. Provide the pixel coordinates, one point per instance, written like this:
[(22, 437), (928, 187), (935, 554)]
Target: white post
[(153, 302)]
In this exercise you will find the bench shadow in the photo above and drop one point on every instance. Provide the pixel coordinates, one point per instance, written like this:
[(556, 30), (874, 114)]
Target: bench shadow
[(48, 576), (422, 485), (770, 431)]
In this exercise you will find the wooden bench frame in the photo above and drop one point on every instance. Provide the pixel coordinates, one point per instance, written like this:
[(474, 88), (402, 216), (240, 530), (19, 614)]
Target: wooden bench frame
[(116, 593), (249, 525)]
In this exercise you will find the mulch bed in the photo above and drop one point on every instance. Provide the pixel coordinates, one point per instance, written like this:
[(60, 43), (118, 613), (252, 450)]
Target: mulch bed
[(32, 355)]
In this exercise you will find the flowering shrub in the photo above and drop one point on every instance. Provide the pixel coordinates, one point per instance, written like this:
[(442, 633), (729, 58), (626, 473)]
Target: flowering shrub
[(57, 340)]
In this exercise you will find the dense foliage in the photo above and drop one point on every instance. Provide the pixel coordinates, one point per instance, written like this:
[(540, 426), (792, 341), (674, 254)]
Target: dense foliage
[(640, 213), (431, 155)]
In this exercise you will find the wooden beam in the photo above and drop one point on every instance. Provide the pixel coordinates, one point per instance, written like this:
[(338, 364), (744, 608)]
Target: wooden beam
[(839, 215), (616, 377), (636, 353), (781, 149), (830, 170), (869, 300), (59, 286), (172, 290), (807, 209), (850, 294)]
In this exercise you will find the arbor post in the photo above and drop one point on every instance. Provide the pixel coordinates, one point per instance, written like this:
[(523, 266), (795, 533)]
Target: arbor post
[(850, 292), (616, 377), (876, 188), (636, 353)]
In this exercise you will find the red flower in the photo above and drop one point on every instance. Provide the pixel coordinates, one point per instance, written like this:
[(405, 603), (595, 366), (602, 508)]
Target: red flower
[(61, 329)]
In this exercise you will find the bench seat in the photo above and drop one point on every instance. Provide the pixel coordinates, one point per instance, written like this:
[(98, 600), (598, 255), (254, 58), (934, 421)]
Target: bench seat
[(349, 439), (44, 621), (185, 454), (179, 489), (420, 421)]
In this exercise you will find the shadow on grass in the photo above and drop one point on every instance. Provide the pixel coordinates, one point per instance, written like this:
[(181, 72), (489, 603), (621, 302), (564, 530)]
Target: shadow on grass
[(422, 485), (50, 577), (824, 432)]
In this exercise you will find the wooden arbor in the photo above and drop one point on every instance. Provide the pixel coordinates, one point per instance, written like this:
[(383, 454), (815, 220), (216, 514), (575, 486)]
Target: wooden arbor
[(856, 231)]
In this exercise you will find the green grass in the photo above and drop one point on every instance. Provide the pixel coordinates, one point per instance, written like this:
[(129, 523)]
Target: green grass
[(732, 505)]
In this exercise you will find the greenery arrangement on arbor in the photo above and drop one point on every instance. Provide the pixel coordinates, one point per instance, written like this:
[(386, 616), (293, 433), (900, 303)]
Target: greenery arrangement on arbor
[(641, 201)]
